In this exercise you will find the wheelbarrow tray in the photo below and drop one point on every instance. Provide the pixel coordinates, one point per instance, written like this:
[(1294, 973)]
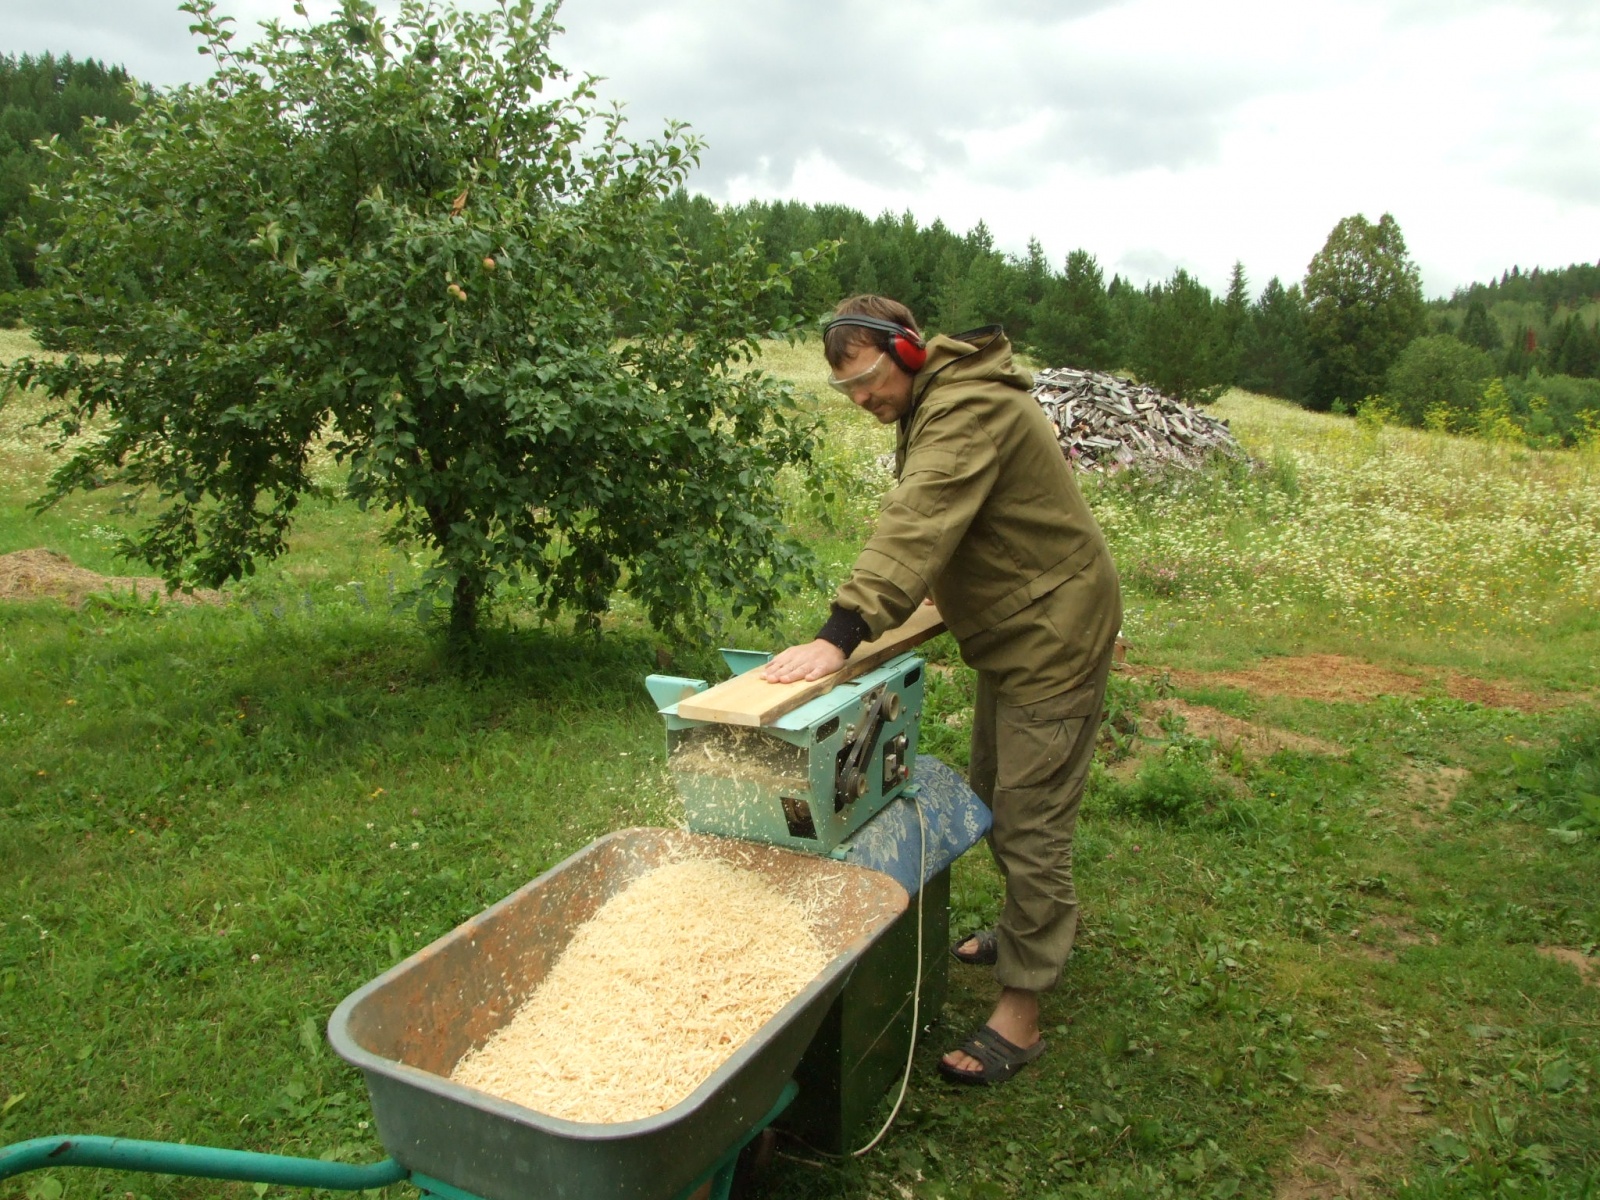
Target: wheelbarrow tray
[(407, 1029)]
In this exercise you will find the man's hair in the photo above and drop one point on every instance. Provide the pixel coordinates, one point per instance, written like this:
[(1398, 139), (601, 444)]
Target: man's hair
[(842, 341)]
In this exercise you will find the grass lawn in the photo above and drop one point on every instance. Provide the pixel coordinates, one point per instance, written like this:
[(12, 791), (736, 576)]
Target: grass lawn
[(1340, 876)]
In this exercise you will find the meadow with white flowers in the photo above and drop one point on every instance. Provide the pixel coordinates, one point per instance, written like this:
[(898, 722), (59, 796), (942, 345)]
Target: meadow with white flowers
[(1350, 531)]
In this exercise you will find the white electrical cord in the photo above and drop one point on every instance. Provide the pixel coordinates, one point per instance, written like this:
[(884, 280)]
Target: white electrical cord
[(916, 989)]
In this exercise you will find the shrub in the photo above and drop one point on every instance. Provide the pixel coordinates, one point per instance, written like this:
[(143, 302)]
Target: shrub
[(1438, 373), (1554, 409), (1174, 788)]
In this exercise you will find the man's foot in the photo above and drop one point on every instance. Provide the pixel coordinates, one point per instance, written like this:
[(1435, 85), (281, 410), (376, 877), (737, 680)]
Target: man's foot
[(1015, 1018), (998, 1058), (982, 949)]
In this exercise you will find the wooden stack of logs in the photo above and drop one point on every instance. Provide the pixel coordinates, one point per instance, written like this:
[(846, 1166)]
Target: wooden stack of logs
[(1105, 424)]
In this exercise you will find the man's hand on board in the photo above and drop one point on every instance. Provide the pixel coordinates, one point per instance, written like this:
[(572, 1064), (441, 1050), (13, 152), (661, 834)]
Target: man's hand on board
[(811, 661)]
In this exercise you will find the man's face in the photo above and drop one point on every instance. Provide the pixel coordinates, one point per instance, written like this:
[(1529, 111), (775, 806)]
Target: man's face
[(880, 386)]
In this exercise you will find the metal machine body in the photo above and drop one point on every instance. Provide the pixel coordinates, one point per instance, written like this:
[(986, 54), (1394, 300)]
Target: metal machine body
[(812, 778), (846, 762), (859, 1050)]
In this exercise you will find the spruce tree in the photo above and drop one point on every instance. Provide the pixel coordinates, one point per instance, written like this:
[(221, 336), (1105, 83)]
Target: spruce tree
[(1036, 273), (1232, 327), (1176, 349), (1479, 329), (1274, 358), (1072, 324), (1523, 353), (1575, 348)]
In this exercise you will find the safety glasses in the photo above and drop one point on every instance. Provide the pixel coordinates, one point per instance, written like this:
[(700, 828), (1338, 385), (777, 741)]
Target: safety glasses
[(870, 378)]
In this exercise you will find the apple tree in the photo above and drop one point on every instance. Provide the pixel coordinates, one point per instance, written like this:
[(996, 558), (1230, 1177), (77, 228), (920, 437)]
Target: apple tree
[(407, 243)]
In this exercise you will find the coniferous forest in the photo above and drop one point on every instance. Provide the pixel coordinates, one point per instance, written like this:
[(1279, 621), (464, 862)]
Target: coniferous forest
[(1520, 355), (1516, 354), (40, 99)]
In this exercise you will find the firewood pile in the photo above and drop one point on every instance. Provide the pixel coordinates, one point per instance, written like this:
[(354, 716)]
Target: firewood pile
[(1105, 424)]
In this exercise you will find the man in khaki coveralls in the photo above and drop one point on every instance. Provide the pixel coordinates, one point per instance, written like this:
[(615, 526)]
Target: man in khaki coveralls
[(987, 520)]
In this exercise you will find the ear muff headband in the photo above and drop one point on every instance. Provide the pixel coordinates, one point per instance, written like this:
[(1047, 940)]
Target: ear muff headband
[(905, 347)]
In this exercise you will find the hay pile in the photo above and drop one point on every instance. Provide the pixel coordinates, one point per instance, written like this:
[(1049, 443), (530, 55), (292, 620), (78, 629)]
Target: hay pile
[(44, 574)]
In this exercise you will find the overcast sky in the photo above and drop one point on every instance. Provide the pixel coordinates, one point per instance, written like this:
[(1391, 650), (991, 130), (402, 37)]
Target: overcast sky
[(1153, 133)]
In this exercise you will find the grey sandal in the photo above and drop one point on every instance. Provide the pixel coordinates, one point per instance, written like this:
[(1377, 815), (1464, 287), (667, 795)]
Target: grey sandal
[(987, 952), (1001, 1059)]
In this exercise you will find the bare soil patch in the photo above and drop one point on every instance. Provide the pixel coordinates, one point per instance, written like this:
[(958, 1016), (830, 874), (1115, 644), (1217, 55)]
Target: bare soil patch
[(1335, 678), (1328, 677), (40, 574), (1588, 969), (1230, 733), (1429, 789), (1355, 1151), (1493, 694), (1388, 936)]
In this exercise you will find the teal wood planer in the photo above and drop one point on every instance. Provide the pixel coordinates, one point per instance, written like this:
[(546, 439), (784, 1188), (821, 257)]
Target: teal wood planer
[(813, 777), (840, 776)]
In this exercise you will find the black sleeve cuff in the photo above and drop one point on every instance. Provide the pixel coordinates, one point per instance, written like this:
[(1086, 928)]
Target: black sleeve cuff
[(845, 629)]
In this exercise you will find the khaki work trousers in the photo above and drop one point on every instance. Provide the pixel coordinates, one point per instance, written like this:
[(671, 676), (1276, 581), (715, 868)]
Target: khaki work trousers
[(1029, 765)]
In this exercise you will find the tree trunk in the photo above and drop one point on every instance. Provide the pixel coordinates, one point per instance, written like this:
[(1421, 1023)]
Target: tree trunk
[(464, 611)]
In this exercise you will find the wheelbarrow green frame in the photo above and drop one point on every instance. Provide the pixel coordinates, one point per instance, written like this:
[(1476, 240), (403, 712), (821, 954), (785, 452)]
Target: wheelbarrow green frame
[(212, 1162)]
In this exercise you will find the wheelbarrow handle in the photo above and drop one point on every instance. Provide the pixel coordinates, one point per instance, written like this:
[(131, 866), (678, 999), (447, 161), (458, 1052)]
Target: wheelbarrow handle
[(208, 1162)]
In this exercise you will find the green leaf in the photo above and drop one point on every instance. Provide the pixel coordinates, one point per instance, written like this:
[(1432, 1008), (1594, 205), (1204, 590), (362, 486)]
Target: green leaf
[(1557, 1076)]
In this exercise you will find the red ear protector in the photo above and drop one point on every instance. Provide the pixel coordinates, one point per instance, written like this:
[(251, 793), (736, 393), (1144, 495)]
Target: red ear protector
[(905, 348)]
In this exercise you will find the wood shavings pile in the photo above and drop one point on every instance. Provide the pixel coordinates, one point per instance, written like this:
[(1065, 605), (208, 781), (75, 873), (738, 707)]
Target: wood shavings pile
[(653, 994)]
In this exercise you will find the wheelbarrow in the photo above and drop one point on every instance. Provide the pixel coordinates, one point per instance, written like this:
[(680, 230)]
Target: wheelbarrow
[(407, 1028)]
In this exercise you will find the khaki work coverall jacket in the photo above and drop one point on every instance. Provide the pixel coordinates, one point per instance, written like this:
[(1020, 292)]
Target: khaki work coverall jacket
[(987, 518)]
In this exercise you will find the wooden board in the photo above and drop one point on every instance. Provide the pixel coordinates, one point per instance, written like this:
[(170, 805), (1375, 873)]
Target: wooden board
[(750, 700)]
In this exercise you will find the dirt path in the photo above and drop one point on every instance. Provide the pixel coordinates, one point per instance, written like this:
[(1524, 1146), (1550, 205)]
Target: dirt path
[(1335, 678)]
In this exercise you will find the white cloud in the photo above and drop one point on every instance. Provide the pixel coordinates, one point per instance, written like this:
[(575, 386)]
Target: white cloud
[(1153, 133)]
